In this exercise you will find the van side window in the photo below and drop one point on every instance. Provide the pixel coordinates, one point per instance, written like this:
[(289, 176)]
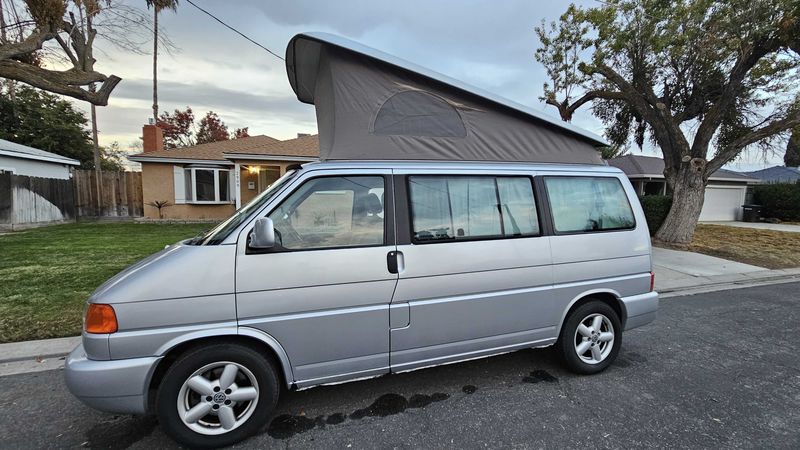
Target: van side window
[(450, 208), (332, 212), (585, 204)]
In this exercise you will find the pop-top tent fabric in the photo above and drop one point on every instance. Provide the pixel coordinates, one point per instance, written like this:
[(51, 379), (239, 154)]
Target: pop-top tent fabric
[(373, 106)]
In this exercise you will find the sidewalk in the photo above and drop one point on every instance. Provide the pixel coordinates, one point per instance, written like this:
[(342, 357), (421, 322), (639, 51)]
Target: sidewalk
[(677, 273), (677, 270)]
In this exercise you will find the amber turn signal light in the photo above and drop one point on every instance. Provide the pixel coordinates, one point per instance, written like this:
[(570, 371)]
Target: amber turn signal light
[(100, 319)]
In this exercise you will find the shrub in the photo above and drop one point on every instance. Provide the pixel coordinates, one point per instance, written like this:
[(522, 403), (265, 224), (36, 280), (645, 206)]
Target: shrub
[(780, 200), (655, 209)]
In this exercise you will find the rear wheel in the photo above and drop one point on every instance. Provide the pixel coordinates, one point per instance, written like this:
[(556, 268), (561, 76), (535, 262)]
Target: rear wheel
[(590, 338), (216, 395)]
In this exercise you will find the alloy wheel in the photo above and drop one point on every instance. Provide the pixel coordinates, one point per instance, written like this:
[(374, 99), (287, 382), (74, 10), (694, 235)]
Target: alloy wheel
[(218, 398)]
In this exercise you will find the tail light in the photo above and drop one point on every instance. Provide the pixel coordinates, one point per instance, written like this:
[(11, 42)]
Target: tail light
[(652, 281), (100, 319)]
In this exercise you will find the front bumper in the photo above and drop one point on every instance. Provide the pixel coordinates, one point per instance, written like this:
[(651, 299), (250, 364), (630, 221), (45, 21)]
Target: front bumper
[(118, 386), (641, 309)]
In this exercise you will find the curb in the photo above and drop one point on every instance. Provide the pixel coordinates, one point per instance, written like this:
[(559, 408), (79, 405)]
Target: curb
[(727, 285), (732, 282), (37, 350)]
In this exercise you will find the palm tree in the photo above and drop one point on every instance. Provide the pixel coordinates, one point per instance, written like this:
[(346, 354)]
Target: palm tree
[(158, 6)]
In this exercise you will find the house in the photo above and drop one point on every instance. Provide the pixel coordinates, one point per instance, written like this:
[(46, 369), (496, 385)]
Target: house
[(32, 162), (725, 192), (776, 174), (211, 181)]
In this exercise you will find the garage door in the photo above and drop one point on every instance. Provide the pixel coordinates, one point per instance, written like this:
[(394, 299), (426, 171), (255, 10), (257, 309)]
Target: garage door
[(723, 203)]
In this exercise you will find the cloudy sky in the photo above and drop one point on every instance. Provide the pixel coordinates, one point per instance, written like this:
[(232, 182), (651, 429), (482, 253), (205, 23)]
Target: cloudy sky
[(487, 43)]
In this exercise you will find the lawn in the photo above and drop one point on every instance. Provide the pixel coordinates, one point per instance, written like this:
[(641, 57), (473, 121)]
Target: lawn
[(765, 248), (46, 274)]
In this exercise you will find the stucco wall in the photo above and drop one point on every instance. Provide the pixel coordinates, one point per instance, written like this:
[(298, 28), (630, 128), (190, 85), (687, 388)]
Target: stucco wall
[(157, 184), (34, 168)]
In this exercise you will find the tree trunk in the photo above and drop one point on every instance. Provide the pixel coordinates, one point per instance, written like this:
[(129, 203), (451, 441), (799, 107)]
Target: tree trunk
[(98, 162), (687, 202), (9, 82), (155, 64)]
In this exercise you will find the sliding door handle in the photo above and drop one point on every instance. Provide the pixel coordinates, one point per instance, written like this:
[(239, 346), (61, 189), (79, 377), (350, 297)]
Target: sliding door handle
[(395, 262)]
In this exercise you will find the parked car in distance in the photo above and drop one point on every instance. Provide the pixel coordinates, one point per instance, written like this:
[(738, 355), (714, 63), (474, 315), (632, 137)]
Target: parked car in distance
[(346, 270)]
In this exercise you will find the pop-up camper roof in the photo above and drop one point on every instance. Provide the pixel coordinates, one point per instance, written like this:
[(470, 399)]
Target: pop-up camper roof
[(374, 106)]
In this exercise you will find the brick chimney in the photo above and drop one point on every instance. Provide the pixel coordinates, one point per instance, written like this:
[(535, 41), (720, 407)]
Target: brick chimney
[(153, 138)]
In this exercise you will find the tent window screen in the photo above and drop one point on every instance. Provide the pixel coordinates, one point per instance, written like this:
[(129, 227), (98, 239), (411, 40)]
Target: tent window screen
[(417, 113), (585, 204), (467, 208)]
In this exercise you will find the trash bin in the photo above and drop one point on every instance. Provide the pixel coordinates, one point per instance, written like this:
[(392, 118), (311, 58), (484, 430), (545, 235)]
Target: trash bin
[(751, 213)]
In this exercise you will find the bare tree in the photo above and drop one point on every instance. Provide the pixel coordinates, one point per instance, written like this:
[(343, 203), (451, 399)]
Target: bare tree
[(50, 44)]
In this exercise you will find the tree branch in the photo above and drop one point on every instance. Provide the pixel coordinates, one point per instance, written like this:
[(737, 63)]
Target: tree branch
[(667, 133), (567, 110), (66, 49), (730, 92), (729, 152), (61, 82), (29, 45)]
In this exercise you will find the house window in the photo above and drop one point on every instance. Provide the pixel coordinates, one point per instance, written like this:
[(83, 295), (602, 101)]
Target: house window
[(654, 187), (207, 185)]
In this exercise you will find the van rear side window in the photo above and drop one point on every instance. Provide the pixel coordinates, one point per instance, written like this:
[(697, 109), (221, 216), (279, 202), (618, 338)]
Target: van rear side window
[(449, 208), (586, 204)]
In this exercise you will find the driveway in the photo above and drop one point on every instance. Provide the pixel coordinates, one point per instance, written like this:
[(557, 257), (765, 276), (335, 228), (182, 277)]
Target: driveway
[(716, 370), (760, 226)]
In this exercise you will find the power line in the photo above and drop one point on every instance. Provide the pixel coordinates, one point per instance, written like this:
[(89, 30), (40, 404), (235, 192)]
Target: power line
[(235, 30)]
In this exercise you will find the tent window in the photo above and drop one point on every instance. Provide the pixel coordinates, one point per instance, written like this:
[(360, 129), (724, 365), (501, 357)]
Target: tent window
[(417, 113)]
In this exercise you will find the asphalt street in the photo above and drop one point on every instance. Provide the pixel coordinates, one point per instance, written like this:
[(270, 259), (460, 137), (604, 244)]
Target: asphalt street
[(715, 370)]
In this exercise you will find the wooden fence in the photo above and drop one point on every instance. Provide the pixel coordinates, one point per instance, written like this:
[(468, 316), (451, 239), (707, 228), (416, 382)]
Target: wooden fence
[(32, 200), (120, 194)]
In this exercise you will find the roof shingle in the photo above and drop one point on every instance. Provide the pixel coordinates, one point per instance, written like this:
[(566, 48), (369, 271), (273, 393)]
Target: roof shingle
[(305, 146), (638, 165)]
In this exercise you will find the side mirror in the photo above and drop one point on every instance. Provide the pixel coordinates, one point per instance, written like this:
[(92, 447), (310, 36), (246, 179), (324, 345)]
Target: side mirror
[(263, 234)]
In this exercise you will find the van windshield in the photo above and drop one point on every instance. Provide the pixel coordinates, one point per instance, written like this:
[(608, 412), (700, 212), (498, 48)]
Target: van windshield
[(218, 234)]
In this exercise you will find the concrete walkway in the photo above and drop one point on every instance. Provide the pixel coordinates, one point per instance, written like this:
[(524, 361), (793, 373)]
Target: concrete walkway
[(760, 226), (678, 270)]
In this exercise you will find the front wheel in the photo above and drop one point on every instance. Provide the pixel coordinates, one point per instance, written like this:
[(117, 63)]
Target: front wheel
[(590, 338), (216, 395)]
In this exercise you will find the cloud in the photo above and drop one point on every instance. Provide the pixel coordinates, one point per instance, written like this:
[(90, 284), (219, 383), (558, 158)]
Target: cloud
[(487, 43)]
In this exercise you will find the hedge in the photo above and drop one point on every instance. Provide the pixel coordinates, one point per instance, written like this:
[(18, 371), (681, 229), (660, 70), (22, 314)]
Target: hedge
[(780, 200), (655, 209)]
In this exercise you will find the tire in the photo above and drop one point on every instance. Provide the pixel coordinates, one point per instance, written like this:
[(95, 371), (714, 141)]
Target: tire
[(598, 351), (209, 367)]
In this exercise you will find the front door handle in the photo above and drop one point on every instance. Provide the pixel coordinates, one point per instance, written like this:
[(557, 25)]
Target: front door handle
[(394, 262)]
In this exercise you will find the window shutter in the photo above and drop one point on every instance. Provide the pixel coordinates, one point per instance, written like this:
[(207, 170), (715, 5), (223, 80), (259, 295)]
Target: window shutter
[(180, 184), (232, 194)]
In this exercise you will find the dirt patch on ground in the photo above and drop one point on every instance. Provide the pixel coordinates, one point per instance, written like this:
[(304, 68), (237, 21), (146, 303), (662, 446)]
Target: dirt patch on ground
[(765, 248)]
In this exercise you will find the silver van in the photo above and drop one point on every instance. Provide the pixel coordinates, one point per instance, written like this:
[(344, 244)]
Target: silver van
[(346, 270)]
